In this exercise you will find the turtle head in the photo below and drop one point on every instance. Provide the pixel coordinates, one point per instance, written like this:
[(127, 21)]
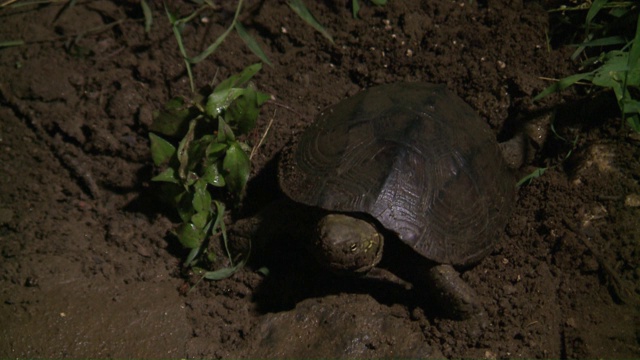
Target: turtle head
[(344, 243)]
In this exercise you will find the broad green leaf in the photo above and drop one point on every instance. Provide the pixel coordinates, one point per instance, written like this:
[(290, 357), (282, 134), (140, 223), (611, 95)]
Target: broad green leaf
[(189, 235), (169, 175), (191, 178), (225, 134), (200, 219), (198, 152), (184, 205), (616, 71), (183, 150), (251, 43), (161, 149), (244, 112), (237, 166), (240, 79), (215, 151), (634, 122), (262, 97), (219, 100), (201, 197), (631, 106), (212, 176), (172, 120), (301, 9)]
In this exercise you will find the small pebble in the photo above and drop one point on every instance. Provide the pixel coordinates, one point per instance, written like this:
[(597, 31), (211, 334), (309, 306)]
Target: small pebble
[(632, 200)]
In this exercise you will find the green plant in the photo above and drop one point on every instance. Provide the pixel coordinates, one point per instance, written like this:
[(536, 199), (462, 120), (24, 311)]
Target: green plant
[(178, 25), (618, 68), (538, 172), (206, 164), (303, 12), (355, 6)]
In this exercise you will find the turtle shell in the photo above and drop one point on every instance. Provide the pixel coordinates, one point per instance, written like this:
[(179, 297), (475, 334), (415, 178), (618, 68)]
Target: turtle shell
[(414, 156)]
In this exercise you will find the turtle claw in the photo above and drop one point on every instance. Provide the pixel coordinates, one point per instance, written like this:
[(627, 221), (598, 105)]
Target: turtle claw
[(384, 275)]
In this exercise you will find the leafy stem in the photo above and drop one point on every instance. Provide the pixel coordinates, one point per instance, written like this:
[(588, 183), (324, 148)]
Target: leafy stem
[(196, 143)]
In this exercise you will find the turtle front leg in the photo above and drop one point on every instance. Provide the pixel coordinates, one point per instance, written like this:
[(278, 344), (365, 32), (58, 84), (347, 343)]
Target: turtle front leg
[(453, 295)]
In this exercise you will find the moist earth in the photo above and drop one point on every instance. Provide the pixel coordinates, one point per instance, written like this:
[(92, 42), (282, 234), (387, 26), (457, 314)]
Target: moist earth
[(90, 269)]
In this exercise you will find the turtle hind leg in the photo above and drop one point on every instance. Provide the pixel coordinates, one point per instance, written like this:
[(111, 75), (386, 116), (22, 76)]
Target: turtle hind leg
[(452, 295)]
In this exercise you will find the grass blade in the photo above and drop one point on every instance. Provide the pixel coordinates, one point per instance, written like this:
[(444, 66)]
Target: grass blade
[(148, 17), (251, 43), (10, 43), (212, 48), (64, 9), (223, 273), (175, 25), (611, 40), (161, 149), (563, 84), (533, 175), (595, 8), (355, 8), (632, 67), (634, 53), (299, 8)]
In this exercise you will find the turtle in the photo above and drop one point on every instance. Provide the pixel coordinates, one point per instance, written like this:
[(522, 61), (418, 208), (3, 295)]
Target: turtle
[(405, 161)]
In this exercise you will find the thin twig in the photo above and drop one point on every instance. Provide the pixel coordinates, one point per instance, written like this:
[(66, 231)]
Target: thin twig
[(7, 3), (285, 106), (556, 80), (264, 135)]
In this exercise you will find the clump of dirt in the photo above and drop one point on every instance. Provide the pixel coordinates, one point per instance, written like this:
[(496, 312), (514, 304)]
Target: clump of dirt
[(89, 267)]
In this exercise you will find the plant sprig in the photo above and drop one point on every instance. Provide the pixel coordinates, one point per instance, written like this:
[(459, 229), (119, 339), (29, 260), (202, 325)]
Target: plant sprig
[(206, 163), (178, 25), (538, 172), (617, 69)]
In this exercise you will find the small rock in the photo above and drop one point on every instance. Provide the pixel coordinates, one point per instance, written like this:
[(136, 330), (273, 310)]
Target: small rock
[(632, 200)]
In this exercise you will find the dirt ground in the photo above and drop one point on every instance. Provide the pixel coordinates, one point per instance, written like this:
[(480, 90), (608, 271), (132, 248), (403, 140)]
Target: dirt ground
[(89, 268)]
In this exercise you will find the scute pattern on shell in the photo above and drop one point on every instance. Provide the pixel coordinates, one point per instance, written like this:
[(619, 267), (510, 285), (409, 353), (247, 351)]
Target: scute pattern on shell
[(414, 156)]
